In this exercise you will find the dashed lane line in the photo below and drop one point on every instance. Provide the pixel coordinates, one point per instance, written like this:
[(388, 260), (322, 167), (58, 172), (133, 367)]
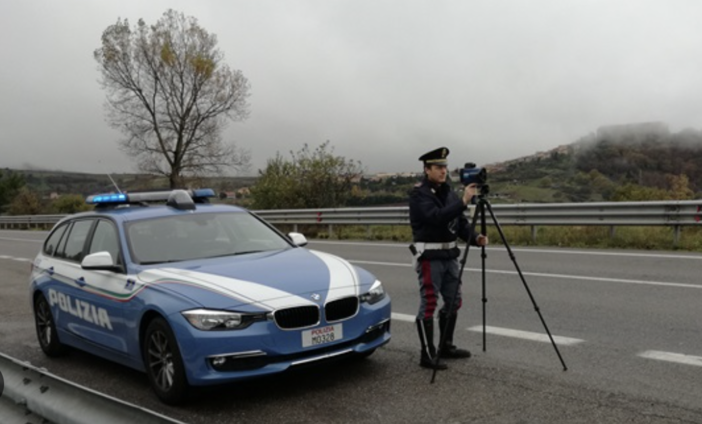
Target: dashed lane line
[(526, 335), (672, 357), (403, 317), (565, 341)]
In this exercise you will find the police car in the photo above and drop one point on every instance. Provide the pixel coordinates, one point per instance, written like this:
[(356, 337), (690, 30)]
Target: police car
[(194, 293)]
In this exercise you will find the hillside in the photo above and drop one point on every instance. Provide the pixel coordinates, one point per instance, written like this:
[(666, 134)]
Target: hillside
[(622, 162), (47, 183), (598, 166), (619, 162)]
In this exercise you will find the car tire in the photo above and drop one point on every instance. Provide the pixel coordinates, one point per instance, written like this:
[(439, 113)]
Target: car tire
[(164, 363), (46, 328)]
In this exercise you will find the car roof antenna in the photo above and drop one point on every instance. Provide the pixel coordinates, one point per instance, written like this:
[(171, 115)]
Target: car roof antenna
[(114, 183)]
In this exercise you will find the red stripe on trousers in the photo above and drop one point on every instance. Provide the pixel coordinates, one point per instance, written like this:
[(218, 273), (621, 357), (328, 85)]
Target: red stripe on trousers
[(429, 293)]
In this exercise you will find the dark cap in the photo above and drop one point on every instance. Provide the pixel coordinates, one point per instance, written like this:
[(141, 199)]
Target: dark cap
[(435, 157)]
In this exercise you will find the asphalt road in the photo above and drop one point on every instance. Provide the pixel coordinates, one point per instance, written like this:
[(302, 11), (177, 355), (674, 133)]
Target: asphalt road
[(626, 324)]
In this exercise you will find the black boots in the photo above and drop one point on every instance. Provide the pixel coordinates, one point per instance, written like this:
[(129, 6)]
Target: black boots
[(425, 328), (447, 325)]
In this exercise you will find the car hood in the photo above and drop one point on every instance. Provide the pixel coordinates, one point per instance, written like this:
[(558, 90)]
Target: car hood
[(268, 281)]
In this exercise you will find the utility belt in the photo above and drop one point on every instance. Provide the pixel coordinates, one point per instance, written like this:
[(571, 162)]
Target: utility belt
[(419, 247), (422, 246)]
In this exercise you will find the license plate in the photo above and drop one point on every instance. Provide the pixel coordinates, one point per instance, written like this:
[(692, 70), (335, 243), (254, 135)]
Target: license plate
[(322, 335)]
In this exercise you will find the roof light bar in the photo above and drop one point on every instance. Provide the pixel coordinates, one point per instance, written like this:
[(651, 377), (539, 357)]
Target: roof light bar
[(107, 198), (114, 199), (202, 193)]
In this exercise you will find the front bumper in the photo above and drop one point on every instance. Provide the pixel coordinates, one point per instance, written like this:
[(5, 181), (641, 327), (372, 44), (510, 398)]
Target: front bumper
[(213, 357)]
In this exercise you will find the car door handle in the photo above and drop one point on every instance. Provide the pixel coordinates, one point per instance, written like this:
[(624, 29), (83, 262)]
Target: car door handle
[(81, 281)]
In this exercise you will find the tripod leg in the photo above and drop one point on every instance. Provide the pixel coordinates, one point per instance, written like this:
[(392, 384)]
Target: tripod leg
[(521, 276), (428, 358)]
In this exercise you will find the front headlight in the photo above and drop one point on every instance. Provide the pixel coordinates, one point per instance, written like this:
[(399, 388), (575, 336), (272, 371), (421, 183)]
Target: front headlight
[(375, 294), (204, 319)]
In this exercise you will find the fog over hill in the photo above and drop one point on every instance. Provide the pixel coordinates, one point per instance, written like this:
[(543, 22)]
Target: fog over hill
[(591, 168)]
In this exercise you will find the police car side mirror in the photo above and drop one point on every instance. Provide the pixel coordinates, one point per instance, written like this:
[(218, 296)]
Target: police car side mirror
[(298, 239), (100, 261)]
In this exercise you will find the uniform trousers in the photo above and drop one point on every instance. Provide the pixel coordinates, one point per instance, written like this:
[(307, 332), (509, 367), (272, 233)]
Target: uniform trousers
[(438, 277)]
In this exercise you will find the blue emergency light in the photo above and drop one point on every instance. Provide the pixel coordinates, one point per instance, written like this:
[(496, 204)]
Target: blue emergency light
[(107, 198), (180, 199)]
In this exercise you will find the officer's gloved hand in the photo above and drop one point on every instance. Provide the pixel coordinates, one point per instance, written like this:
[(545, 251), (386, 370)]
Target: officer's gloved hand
[(469, 193)]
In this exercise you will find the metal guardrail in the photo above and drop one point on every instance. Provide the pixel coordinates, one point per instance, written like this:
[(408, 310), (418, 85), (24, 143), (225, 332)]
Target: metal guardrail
[(33, 395), (675, 214), (659, 213), (29, 221)]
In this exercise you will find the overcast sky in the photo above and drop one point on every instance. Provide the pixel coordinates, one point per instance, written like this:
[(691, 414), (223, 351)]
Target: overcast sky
[(383, 81)]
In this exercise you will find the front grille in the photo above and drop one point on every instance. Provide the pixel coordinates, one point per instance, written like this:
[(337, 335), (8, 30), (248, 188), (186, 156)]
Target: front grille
[(341, 309), (298, 317)]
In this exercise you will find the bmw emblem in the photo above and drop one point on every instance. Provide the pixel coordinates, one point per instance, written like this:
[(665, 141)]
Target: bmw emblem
[(316, 296)]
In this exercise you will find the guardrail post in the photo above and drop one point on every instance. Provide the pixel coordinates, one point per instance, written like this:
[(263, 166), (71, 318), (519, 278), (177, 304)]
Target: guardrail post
[(612, 231), (533, 233), (676, 235), (330, 232), (368, 232)]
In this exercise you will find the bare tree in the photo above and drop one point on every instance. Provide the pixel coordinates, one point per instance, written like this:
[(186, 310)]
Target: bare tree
[(171, 94)]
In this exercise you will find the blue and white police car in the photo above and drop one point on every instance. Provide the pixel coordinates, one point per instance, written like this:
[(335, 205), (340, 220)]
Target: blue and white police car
[(195, 293)]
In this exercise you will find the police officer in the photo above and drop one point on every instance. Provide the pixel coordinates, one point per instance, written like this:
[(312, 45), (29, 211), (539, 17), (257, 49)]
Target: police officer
[(437, 219)]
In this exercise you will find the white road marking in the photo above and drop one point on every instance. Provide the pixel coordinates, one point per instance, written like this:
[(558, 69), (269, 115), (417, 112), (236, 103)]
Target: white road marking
[(526, 335), (672, 357), (559, 276), (565, 341), (549, 251), (403, 317)]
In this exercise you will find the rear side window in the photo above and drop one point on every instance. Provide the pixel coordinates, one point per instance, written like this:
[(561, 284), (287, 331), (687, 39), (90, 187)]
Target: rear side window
[(51, 244), (105, 240), (75, 243)]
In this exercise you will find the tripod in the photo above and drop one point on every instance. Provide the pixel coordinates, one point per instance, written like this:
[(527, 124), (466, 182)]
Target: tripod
[(481, 205)]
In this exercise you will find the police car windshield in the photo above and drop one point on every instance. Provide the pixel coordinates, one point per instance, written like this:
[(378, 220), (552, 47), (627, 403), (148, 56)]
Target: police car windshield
[(199, 236)]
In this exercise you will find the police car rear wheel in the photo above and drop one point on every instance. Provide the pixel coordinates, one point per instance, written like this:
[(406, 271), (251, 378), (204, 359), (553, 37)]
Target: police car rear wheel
[(46, 328), (164, 364)]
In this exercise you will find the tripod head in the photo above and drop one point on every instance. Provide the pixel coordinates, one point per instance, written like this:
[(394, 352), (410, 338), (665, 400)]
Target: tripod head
[(484, 189)]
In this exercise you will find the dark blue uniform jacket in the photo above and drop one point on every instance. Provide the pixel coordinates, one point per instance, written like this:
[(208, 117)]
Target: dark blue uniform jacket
[(436, 216)]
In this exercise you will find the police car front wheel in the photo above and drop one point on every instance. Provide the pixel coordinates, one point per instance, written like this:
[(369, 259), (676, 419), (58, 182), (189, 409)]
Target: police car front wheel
[(163, 362)]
